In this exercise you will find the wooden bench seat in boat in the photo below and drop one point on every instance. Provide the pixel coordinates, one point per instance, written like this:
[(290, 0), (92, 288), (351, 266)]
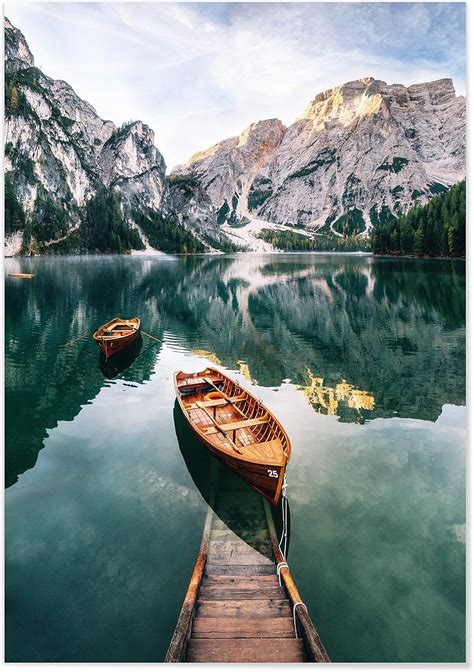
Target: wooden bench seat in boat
[(211, 403), (267, 449), (231, 426), (215, 402)]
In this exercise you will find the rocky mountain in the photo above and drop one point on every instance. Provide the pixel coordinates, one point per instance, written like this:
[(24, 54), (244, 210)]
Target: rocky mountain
[(357, 152), (60, 156), (75, 182)]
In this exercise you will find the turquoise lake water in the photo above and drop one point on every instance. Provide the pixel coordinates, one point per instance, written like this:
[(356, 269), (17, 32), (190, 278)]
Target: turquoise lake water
[(363, 361)]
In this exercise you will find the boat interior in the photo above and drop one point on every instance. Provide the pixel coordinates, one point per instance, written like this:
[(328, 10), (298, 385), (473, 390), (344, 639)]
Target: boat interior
[(230, 418), (118, 327)]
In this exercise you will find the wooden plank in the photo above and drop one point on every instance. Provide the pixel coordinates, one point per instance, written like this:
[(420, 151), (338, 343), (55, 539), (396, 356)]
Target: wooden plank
[(240, 570), (252, 593), (236, 521), (237, 525), (240, 559), (270, 449), (248, 536), (239, 547), (272, 650), (243, 608), (242, 582), (224, 628), (231, 426), (211, 403)]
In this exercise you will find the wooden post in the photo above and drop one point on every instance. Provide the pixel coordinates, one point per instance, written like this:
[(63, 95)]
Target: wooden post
[(314, 645), (177, 648)]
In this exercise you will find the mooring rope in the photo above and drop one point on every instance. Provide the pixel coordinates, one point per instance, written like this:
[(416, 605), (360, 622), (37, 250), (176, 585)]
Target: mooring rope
[(279, 567), (297, 604), (284, 516), (284, 539)]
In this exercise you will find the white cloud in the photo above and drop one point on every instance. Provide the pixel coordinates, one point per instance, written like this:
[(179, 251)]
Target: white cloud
[(200, 72)]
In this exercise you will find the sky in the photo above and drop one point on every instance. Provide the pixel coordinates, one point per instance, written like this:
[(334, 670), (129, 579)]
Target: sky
[(198, 73)]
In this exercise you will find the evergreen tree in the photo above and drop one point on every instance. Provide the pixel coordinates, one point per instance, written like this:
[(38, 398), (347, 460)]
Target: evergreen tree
[(106, 229), (436, 229), (14, 214), (406, 236)]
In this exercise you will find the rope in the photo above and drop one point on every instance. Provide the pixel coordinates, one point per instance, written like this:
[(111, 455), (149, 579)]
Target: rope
[(284, 538), (297, 604), (279, 567), (284, 516)]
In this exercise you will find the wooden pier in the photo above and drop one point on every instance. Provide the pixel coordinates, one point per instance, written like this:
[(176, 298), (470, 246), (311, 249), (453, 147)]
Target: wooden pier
[(235, 609)]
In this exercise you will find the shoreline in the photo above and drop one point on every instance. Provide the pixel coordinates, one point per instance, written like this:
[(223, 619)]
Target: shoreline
[(158, 253), (416, 256)]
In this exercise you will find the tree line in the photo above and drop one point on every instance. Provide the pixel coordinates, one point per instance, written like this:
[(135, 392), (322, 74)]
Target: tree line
[(437, 229), (298, 242)]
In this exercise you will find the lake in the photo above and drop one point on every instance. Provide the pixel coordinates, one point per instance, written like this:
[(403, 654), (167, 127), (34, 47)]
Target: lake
[(363, 361)]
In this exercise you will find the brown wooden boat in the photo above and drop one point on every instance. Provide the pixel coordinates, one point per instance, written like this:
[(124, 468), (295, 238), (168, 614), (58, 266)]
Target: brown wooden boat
[(236, 427), (21, 275), (117, 334)]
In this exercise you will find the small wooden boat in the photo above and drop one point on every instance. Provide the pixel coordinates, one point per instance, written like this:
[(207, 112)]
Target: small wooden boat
[(117, 334), (21, 275), (236, 427)]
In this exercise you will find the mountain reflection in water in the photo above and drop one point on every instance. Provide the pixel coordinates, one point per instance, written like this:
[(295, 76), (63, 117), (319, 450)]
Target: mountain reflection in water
[(392, 329)]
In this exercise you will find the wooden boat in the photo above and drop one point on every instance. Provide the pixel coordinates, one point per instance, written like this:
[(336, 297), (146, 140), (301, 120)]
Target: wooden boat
[(117, 334), (21, 275), (236, 427)]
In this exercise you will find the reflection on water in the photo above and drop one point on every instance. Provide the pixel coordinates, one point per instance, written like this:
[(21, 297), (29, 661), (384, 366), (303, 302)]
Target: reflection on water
[(205, 354), (376, 479), (343, 400), (215, 483), (111, 367), (393, 328), (244, 370)]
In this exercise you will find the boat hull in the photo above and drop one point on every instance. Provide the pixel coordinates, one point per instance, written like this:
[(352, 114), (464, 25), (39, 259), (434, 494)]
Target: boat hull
[(256, 475), (111, 343), (121, 360), (113, 347)]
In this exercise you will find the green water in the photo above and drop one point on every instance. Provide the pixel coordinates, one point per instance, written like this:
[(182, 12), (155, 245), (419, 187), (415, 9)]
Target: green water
[(362, 359)]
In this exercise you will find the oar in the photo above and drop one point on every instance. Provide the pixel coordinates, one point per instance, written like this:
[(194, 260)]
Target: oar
[(222, 431), (153, 345), (150, 336), (209, 382), (65, 345)]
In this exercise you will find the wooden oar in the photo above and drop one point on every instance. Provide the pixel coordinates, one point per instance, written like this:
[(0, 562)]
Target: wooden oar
[(150, 336), (222, 431), (65, 345), (228, 399), (153, 345)]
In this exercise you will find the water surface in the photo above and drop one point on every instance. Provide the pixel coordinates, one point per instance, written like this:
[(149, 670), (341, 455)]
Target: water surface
[(362, 359)]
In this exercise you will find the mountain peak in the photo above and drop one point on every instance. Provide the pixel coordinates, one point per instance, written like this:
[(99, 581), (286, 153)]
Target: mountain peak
[(17, 51), (345, 102), (261, 130)]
